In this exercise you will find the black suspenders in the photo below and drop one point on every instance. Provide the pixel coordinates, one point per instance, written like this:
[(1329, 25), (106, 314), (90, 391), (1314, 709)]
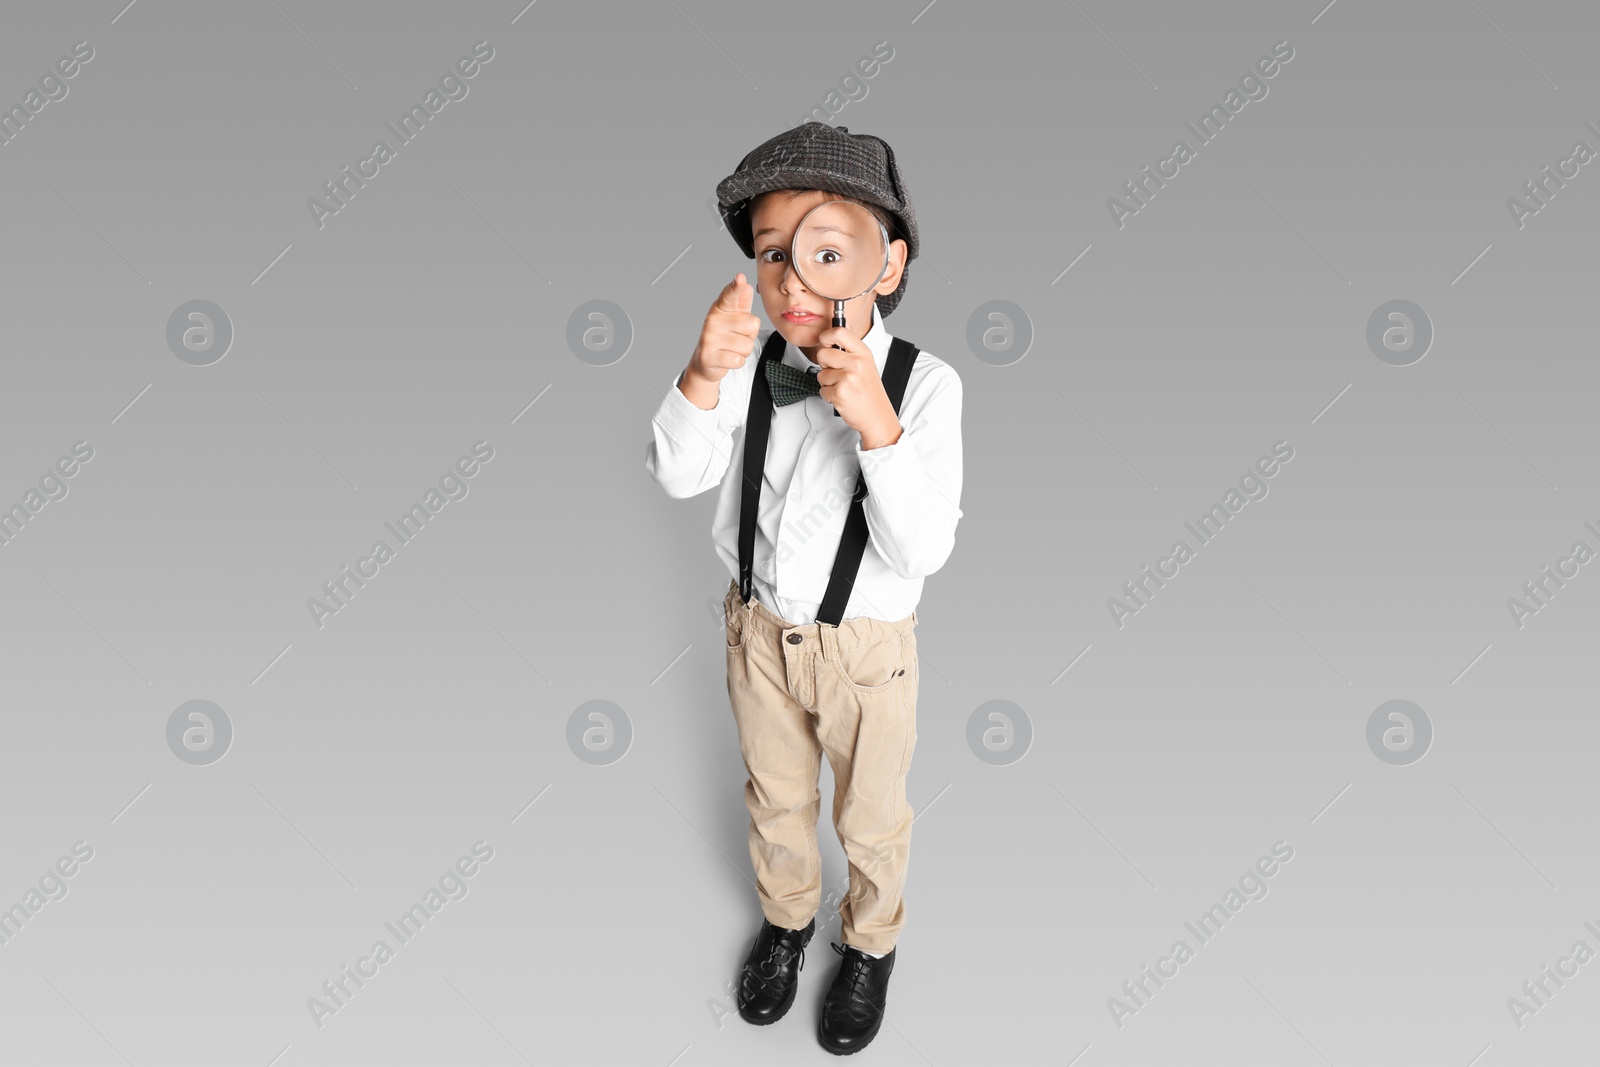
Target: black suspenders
[(758, 424)]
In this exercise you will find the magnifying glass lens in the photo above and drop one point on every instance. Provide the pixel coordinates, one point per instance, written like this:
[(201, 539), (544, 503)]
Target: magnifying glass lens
[(840, 250)]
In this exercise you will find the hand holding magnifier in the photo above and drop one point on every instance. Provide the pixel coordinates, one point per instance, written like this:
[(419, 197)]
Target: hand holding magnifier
[(840, 252)]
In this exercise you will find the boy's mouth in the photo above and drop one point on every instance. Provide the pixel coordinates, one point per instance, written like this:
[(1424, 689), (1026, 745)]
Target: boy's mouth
[(801, 316)]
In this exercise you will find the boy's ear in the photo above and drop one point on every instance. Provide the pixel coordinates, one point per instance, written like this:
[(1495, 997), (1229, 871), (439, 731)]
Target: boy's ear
[(897, 266)]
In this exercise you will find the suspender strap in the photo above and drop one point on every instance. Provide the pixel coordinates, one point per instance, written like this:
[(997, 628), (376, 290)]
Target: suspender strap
[(853, 543), (758, 424)]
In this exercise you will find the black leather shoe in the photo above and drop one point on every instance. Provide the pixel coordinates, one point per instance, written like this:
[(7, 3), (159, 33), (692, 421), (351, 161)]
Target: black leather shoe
[(772, 971), (853, 1008)]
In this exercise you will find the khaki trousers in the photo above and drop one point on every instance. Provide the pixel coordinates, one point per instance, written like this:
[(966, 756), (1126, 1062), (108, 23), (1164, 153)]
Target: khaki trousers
[(850, 691)]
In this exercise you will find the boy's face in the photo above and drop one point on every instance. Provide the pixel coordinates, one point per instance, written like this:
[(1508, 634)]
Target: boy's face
[(774, 217)]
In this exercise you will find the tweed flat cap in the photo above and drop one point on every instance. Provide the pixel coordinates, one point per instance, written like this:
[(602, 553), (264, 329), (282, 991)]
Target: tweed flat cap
[(815, 155)]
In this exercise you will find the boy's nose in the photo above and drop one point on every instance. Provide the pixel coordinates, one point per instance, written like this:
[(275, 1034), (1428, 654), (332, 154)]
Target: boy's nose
[(791, 279)]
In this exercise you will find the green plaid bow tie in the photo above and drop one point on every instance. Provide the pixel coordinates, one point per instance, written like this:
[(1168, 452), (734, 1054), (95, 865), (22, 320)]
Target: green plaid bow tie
[(789, 384)]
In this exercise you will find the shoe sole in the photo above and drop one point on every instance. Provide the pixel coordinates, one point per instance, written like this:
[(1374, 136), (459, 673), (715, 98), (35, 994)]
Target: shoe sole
[(849, 1051), (772, 1018)]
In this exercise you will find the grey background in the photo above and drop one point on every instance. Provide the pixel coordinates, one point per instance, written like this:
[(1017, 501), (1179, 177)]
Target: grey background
[(368, 755)]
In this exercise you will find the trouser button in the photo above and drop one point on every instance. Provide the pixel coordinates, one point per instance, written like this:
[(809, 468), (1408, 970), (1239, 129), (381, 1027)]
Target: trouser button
[(795, 639)]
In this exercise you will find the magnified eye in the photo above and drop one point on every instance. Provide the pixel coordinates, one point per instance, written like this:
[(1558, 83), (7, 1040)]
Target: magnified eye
[(827, 255)]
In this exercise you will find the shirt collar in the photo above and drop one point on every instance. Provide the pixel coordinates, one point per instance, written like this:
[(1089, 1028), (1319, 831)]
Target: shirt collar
[(877, 341)]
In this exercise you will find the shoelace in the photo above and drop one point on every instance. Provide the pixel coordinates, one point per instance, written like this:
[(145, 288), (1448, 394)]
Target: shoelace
[(778, 957), (852, 1003)]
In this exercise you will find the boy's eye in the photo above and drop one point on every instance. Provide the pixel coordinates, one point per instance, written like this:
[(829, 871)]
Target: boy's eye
[(771, 252), (827, 255)]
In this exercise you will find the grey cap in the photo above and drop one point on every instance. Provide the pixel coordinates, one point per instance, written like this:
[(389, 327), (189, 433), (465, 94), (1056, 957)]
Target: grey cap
[(815, 155)]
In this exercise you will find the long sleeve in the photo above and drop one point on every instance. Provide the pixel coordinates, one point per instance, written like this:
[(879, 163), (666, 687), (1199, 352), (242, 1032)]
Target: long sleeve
[(914, 485), (691, 447)]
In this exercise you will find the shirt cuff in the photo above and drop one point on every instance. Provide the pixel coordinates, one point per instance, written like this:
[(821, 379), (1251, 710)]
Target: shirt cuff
[(683, 421), (893, 472)]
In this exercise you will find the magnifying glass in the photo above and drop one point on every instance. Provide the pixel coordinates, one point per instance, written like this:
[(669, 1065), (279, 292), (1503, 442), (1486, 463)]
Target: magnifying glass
[(840, 252)]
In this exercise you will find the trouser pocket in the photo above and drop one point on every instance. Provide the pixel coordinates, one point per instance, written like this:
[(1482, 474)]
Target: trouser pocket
[(877, 666), (733, 618)]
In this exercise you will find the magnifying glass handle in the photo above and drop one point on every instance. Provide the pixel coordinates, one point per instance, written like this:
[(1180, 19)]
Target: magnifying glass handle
[(838, 320)]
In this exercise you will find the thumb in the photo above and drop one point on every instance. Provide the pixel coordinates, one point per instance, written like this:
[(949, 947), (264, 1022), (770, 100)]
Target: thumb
[(737, 295)]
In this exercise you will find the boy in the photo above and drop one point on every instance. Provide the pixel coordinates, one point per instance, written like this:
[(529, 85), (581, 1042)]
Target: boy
[(828, 526)]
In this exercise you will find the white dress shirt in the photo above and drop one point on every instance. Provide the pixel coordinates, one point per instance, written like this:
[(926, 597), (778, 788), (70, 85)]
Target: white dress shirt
[(813, 456)]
